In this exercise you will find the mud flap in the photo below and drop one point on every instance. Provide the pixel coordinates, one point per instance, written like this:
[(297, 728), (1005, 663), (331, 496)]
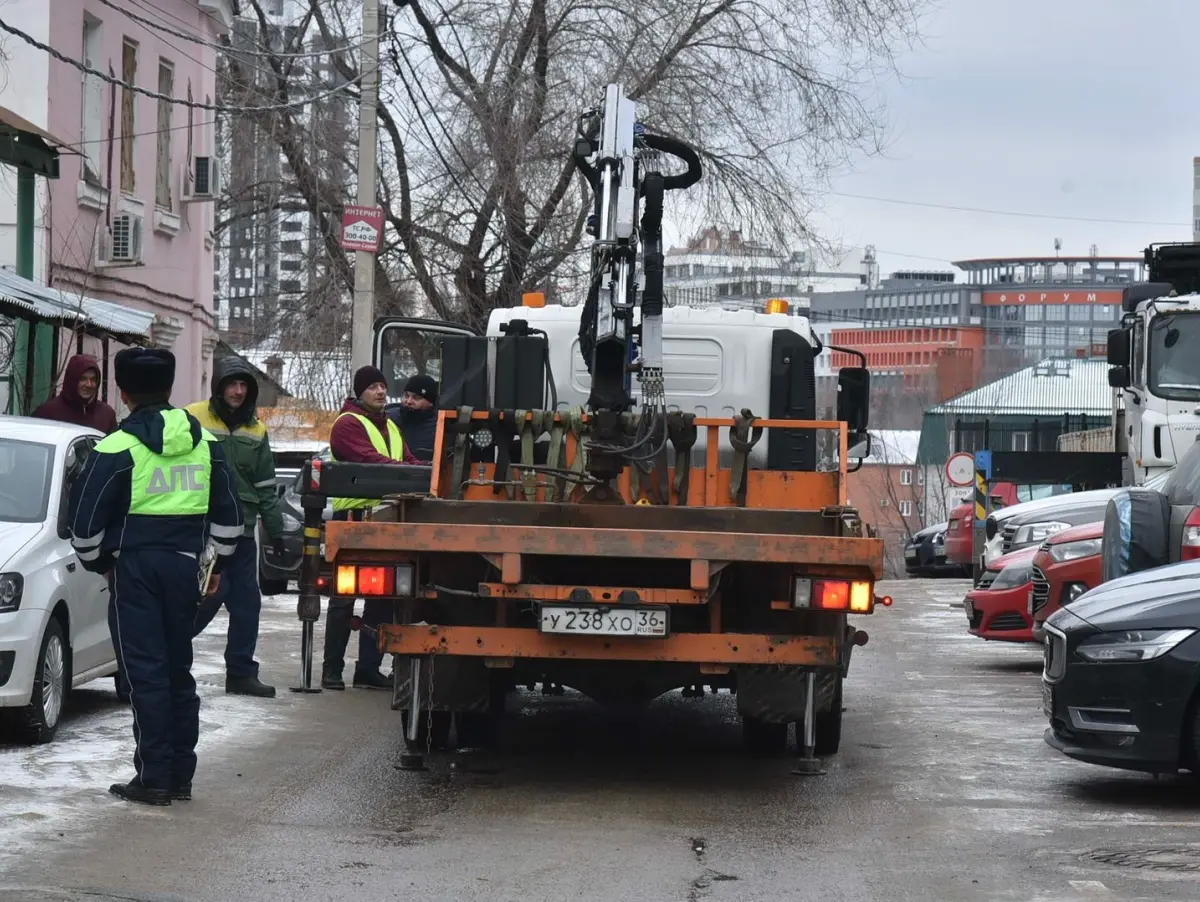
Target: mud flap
[(774, 693), (459, 684)]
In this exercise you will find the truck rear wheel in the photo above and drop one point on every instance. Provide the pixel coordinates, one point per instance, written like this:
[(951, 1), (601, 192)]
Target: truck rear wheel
[(829, 724), (763, 737)]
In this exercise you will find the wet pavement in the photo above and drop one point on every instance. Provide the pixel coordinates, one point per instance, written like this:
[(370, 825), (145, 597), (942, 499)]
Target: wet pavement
[(943, 790)]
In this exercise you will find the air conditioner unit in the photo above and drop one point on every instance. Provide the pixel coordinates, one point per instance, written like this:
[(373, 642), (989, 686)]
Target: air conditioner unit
[(122, 244), (201, 180)]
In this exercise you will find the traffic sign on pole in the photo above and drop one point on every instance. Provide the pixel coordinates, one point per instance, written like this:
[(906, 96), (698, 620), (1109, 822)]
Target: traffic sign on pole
[(960, 469)]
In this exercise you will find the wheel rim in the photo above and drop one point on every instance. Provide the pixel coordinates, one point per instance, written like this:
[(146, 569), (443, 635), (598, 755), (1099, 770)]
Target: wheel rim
[(53, 674)]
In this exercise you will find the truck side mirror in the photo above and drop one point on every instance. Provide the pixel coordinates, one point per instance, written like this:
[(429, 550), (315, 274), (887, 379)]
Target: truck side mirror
[(854, 398), (858, 446), (1118, 348), (1118, 377)]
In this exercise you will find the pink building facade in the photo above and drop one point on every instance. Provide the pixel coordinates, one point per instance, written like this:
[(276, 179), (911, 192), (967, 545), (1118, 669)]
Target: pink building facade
[(130, 219)]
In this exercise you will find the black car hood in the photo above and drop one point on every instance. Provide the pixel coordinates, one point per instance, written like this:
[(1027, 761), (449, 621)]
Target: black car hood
[(1164, 597), (929, 531)]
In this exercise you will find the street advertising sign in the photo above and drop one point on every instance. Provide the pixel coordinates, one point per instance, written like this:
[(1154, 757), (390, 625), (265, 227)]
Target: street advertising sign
[(362, 229)]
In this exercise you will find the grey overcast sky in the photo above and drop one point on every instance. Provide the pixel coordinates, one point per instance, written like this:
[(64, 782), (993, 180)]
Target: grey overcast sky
[(1074, 108)]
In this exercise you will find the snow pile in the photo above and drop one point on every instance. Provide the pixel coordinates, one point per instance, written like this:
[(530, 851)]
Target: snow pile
[(60, 789)]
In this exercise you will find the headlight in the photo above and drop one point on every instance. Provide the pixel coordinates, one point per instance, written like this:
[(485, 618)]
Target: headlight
[(991, 527), (1131, 645), (290, 523), (1038, 532), (11, 585), (1073, 551), (1012, 576), (939, 539)]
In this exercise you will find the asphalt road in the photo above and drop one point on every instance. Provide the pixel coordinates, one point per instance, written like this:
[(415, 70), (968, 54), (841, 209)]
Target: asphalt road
[(944, 790)]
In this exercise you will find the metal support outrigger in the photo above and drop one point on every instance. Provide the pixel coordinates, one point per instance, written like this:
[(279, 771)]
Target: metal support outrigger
[(308, 607), (809, 765)]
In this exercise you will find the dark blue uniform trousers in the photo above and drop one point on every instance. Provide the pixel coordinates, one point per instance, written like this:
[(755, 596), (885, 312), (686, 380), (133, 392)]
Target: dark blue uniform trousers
[(154, 595), (240, 594)]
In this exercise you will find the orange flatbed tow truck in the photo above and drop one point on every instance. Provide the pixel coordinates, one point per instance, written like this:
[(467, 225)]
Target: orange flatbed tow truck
[(575, 541)]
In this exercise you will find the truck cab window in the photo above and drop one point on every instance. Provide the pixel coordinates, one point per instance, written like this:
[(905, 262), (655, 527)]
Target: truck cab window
[(1172, 364)]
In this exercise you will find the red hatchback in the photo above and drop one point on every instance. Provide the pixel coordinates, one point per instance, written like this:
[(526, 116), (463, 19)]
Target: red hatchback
[(998, 608), (1065, 566)]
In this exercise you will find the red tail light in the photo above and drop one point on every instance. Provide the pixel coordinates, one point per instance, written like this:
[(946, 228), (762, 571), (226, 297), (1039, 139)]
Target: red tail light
[(1189, 548)]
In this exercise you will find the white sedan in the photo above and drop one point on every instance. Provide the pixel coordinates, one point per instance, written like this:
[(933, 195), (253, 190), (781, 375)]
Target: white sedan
[(54, 632)]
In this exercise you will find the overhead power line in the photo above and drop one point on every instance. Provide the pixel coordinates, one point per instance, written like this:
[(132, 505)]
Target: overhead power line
[(1022, 215), (155, 95), (192, 38)]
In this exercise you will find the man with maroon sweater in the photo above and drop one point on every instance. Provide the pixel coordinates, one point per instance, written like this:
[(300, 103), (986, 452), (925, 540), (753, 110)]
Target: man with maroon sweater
[(78, 402), (361, 434)]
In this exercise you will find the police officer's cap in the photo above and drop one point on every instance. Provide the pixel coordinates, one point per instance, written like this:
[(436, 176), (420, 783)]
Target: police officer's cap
[(145, 371)]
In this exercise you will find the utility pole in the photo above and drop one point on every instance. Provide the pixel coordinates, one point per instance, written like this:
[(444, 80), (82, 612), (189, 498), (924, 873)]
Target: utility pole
[(363, 317)]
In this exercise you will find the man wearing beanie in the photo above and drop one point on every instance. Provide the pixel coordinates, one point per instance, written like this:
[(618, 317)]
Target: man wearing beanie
[(151, 497), (417, 417), (230, 414), (362, 433)]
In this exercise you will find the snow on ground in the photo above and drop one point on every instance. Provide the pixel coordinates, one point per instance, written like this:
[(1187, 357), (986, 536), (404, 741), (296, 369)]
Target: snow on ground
[(60, 789)]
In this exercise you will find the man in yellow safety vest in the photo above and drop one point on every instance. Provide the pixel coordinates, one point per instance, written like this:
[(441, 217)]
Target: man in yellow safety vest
[(362, 433)]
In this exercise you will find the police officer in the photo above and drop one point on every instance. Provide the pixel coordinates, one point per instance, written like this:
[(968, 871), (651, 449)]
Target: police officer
[(150, 497), (357, 436)]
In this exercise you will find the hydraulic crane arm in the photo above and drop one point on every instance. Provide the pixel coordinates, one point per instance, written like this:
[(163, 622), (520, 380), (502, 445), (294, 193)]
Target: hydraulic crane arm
[(619, 160)]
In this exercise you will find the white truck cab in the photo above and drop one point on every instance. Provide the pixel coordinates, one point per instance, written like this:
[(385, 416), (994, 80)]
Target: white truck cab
[(1155, 364)]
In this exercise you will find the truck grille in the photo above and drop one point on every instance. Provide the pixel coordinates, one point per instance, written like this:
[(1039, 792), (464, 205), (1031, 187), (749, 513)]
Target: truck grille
[(1010, 533), (1041, 589)]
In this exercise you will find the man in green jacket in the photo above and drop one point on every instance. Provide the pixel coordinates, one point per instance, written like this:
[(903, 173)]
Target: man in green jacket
[(230, 415)]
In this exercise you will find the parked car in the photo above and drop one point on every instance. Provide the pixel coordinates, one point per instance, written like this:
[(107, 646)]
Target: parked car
[(54, 632), (1065, 567), (276, 572), (997, 608), (960, 533), (1032, 522), (925, 553), (1121, 669)]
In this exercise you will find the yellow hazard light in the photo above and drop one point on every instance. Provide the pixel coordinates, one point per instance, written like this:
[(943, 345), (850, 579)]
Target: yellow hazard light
[(347, 580), (777, 305), (533, 299), (861, 600)]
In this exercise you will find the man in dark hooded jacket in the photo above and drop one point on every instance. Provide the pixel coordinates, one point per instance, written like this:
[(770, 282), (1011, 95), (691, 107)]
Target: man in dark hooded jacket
[(230, 415), (417, 416), (79, 400)]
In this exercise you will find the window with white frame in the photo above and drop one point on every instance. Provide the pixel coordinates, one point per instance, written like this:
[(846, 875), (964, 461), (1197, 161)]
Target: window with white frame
[(906, 477), (1020, 441), (93, 93), (905, 508)]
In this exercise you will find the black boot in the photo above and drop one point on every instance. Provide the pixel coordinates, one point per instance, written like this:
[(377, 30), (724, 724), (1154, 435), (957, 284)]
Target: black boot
[(371, 679), (134, 791), (248, 686), (182, 792), (332, 680)]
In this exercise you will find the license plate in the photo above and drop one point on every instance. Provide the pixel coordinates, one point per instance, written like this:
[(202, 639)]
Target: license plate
[(1029, 606), (1047, 699), (970, 609), (592, 621), (910, 555)]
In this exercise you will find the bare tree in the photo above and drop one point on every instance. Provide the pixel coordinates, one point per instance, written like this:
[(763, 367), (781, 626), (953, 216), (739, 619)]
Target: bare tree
[(480, 101)]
